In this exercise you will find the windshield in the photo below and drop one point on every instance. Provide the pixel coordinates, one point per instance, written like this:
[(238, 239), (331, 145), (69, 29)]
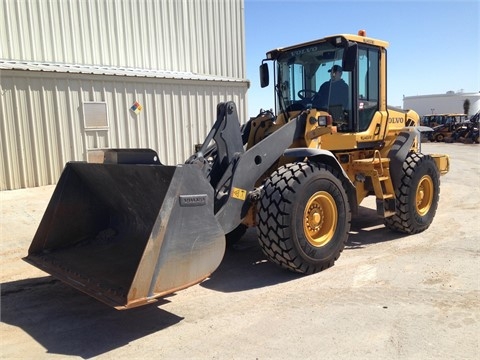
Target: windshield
[(303, 71)]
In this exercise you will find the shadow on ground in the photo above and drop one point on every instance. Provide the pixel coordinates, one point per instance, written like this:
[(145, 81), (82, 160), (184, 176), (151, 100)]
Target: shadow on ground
[(245, 267), (65, 321), (61, 319), (368, 228)]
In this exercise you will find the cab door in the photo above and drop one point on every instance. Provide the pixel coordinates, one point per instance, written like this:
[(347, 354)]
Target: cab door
[(368, 97)]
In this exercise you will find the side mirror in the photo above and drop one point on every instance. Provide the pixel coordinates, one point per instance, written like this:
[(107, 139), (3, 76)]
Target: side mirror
[(264, 76), (349, 60)]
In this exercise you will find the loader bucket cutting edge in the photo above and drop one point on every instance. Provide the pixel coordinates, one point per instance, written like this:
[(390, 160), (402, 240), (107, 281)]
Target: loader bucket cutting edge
[(128, 234)]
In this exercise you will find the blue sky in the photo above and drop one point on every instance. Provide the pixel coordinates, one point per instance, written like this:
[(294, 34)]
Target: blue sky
[(434, 45)]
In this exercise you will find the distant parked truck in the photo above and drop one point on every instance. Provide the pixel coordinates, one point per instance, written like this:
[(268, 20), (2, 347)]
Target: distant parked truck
[(453, 130), (433, 120)]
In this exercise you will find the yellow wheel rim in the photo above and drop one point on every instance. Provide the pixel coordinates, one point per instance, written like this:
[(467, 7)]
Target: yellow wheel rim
[(320, 219), (424, 195)]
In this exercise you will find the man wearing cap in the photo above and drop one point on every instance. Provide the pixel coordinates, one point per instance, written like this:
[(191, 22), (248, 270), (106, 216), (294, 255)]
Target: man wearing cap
[(332, 92)]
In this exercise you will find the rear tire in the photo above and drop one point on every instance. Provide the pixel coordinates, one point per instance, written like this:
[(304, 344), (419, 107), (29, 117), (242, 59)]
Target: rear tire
[(303, 217), (417, 196)]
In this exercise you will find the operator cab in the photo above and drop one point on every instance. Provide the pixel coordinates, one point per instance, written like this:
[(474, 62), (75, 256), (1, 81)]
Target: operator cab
[(338, 74)]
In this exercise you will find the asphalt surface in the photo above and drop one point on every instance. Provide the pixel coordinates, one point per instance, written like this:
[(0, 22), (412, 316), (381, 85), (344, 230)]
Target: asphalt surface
[(389, 296)]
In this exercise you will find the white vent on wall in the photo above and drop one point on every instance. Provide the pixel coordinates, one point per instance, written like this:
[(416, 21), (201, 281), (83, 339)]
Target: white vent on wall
[(95, 115)]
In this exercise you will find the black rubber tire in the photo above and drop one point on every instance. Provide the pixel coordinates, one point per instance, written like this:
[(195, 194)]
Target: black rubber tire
[(282, 210), (418, 170), (439, 138)]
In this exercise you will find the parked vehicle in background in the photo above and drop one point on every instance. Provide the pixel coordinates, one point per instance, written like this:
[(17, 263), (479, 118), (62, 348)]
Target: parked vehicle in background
[(433, 120), (475, 118), (465, 132)]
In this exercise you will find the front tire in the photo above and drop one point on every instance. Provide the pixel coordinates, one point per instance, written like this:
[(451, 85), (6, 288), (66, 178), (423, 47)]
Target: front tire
[(304, 217), (417, 196)]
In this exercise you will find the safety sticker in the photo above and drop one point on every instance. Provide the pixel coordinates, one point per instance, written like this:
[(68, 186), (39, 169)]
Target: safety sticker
[(239, 194), (136, 107)]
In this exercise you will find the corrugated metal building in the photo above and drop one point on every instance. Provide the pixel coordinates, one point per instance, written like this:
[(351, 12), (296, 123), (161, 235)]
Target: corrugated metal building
[(80, 76)]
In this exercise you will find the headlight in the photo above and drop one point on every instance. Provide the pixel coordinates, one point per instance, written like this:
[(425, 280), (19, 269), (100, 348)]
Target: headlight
[(324, 120)]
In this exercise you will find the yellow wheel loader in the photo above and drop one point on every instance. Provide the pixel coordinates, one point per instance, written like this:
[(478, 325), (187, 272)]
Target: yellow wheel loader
[(131, 230)]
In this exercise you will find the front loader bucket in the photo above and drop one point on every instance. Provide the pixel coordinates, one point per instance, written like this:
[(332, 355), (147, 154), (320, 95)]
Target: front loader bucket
[(127, 234)]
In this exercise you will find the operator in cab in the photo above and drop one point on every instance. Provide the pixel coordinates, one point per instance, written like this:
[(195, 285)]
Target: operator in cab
[(332, 92)]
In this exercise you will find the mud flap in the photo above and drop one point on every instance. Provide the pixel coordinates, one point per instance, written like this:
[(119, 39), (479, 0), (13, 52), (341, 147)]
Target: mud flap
[(127, 234)]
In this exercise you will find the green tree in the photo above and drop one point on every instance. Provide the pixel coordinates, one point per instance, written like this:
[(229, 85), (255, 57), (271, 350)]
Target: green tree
[(466, 106)]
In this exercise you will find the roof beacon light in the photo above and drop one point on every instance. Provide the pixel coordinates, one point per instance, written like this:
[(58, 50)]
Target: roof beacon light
[(362, 33)]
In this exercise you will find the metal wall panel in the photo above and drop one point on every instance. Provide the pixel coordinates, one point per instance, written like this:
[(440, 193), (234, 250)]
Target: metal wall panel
[(42, 119), (201, 36)]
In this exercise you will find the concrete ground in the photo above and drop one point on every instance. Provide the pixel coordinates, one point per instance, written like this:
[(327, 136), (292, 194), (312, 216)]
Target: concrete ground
[(389, 296)]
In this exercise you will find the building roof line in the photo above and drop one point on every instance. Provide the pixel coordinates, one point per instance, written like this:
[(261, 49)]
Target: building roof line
[(109, 70), (443, 95)]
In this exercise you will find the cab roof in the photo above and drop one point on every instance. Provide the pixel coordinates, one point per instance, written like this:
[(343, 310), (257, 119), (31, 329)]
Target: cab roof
[(332, 38)]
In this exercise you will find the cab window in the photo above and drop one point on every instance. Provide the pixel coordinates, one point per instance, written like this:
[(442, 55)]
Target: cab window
[(296, 81), (368, 86)]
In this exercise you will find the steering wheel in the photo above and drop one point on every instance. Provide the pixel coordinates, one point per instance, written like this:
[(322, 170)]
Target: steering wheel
[(303, 94)]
